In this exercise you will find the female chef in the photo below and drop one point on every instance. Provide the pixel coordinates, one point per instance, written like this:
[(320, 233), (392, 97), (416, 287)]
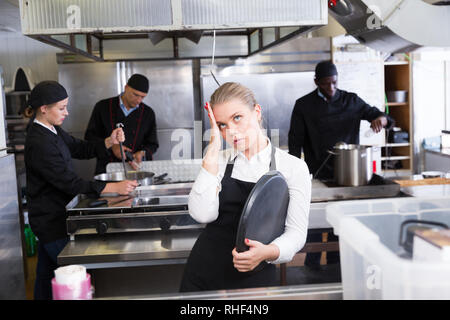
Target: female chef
[(221, 190), (51, 180)]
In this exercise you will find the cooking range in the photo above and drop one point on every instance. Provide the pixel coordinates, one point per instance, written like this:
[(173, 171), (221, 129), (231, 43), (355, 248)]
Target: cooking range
[(154, 207)]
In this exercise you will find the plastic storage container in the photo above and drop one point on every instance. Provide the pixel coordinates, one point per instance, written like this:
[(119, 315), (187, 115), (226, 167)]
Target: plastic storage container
[(373, 264)]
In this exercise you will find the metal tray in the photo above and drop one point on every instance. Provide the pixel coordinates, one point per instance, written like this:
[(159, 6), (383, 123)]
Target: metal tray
[(378, 187)]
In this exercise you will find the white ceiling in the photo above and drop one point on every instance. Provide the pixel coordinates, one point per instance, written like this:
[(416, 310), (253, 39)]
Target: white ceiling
[(9, 16)]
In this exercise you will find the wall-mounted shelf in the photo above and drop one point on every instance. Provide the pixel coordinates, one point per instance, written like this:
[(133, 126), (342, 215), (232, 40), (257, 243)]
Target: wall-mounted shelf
[(406, 144), (395, 158), (395, 63), (393, 104), (397, 75)]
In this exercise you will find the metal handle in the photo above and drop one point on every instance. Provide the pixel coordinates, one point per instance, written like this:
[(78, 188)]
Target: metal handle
[(333, 153), (323, 163), (120, 125), (402, 226)]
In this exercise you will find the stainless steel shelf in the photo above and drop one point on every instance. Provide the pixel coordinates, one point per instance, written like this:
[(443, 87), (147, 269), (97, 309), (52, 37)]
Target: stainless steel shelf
[(395, 158), (406, 144)]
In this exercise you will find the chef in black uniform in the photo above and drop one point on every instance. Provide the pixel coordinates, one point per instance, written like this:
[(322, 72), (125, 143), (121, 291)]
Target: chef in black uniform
[(323, 118), (51, 180), (138, 120), (220, 192)]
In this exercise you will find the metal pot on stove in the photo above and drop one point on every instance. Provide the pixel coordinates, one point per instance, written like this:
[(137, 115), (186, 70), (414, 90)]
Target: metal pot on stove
[(352, 164), (144, 178)]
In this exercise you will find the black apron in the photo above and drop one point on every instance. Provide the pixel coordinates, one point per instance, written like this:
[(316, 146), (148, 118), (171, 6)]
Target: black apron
[(210, 264)]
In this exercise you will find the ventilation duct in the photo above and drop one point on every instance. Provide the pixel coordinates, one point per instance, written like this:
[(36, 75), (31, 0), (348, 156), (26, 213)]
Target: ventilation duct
[(157, 29), (395, 25), (108, 16)]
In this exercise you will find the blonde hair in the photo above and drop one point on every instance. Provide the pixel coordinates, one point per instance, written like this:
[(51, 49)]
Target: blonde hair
[(233, 90)]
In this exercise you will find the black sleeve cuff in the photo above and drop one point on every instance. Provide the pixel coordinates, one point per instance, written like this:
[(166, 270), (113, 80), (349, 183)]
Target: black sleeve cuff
[(98, 186)]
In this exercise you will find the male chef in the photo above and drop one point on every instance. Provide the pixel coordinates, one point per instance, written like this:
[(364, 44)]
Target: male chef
[(323, 118), (138, 120)]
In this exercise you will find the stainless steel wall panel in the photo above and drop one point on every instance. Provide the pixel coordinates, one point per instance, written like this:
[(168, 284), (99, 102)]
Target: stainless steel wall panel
[(175, 144), (171, 91), (12, 280), (296, 55), (86, 83), (170, 96)]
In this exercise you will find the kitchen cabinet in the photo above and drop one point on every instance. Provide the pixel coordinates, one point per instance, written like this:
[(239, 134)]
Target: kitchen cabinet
[(398, 155)]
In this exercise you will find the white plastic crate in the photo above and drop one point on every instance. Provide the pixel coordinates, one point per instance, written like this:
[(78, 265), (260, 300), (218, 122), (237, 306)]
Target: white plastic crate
[(370, 253)]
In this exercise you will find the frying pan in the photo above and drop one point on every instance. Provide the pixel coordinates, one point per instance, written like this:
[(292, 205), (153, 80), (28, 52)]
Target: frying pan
[(264, 213), (144, 178)]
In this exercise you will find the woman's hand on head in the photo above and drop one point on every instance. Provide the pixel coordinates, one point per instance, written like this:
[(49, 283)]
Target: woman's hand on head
[(211, 159), (215, 141), (258, 252)]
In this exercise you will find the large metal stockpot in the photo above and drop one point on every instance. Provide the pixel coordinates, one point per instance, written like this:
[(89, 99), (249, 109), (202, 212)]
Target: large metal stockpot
[(352, 164)]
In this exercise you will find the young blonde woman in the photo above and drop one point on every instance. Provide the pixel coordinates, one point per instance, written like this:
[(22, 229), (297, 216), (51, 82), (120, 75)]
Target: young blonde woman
[(221, 190)]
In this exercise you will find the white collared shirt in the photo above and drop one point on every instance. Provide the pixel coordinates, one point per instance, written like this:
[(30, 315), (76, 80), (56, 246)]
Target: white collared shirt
[(51, 128), (204, 198)]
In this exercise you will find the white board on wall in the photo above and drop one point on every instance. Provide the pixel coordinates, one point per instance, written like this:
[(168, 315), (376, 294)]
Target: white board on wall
[(366, 79)]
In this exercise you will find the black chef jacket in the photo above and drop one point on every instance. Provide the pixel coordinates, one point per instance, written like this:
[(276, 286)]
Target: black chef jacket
[(317, 125), (139, 129), (51, 180)]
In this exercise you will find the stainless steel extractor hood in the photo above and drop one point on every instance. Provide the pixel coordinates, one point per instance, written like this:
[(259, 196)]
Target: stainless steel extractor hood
[(395, 25), (91, 28)]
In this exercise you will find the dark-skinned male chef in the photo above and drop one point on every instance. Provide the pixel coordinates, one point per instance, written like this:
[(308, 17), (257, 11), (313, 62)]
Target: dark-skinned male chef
[(321, 119)]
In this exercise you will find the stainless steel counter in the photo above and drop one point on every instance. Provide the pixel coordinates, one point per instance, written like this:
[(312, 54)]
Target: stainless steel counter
[(436, 159), (12, 279), (327, 291), (439, 151), (171, 247), (438, 190), (148, 248), (159, 256), (129, 249)]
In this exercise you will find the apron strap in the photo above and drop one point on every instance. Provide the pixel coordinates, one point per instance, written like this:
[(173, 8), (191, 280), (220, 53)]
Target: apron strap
[(273, 165), (230, 164)]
